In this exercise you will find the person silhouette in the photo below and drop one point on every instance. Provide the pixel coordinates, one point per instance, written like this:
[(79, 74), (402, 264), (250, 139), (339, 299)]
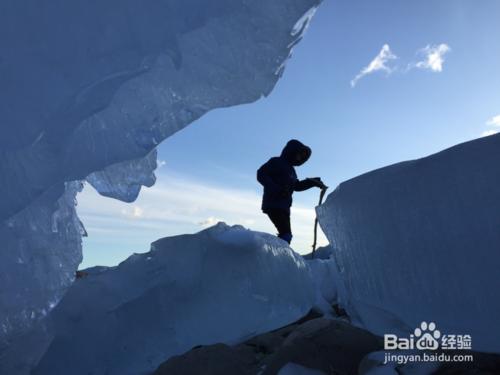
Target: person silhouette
[(279, 179)]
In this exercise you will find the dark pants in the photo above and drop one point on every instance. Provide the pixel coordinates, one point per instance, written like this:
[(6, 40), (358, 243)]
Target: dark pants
[(281, 220)]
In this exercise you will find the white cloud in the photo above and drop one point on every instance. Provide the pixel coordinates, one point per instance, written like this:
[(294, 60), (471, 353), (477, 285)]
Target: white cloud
[(177, 205), (488, 133), (494, 121), (132, 212), (379, 63), (433, 57), (209, 221)]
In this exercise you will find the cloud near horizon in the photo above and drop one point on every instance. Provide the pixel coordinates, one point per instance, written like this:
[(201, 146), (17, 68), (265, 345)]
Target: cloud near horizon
[(179, 205), (487, 133), (492, 122)]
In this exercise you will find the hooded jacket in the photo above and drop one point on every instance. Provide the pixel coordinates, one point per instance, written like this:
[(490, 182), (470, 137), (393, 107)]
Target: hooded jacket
[(279, 179)]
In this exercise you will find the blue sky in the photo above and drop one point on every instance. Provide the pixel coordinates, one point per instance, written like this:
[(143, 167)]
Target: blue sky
[(408, 109)]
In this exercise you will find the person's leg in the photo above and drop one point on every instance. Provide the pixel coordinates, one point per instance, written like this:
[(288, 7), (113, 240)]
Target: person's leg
[(281, 220)]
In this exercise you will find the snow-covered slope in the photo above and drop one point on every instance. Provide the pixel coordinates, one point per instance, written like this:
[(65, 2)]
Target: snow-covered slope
[(89, 88), (223, 284), (420, 241)]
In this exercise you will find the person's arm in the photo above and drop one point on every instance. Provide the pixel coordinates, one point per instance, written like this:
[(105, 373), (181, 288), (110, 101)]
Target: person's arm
[(301, 185)]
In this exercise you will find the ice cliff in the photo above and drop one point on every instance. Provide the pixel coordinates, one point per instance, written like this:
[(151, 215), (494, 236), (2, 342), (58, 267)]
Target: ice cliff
[(420, 241), (88, 89)]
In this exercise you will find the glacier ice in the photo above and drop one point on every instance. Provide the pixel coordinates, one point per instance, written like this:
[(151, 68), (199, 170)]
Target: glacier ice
[(124, 181), (90, 89), (41, 248), (123, 76), (224, 284), (325, 277), (420, 241)]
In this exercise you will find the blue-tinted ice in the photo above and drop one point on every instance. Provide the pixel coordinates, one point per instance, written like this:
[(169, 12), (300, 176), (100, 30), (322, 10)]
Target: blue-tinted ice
[(89, 89), (420, 241)]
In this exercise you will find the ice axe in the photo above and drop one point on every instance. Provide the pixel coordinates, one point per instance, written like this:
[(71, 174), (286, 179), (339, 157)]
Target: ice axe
[(324, 188)]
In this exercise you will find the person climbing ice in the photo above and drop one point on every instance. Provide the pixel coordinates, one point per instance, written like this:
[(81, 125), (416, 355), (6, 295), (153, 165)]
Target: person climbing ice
[(279, 179)]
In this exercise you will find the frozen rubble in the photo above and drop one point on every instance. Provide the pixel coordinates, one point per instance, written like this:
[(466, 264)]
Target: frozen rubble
[(420, 241), (93, 88), (222, 285)]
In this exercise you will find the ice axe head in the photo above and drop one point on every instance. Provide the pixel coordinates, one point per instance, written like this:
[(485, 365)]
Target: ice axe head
[(318, 182)]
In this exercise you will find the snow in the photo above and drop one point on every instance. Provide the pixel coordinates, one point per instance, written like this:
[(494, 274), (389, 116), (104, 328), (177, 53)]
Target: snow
[(419, 241), (93, 88), (224, 284)]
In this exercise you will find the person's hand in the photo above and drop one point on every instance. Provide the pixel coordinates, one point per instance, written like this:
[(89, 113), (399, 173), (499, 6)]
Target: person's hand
[(318, 183)]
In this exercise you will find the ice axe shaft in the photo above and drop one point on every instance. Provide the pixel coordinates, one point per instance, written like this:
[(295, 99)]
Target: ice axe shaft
[(321, 196)]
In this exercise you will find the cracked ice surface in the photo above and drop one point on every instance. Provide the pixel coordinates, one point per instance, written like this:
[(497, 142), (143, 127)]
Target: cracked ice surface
[(419, 241), (92, 88)]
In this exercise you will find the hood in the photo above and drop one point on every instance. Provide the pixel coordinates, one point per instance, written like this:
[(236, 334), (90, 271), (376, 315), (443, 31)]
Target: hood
[(296, 153)]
